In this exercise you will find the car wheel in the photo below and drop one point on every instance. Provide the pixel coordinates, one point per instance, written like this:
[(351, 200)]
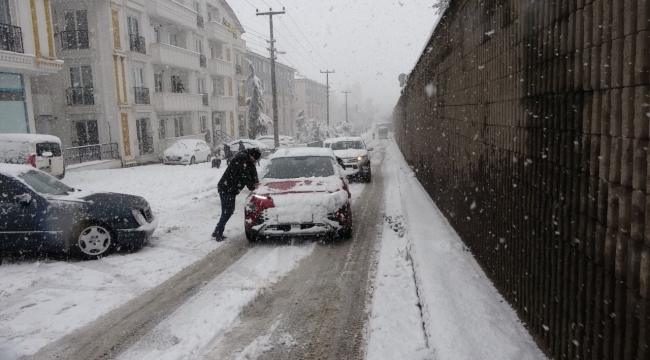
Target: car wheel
[(251, 237), (192, 161), (92, 241)]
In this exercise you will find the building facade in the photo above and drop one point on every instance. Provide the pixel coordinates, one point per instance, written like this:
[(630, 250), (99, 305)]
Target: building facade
[(311, 97), (27, 57), (144, 73), (284, 77)]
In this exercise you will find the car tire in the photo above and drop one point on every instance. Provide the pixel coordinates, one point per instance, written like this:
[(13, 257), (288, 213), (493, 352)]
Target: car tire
[(347, 231), (91, 241), (192, 161), (251, 237)]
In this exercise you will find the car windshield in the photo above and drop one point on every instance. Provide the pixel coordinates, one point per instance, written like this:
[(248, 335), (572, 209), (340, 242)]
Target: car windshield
[(299, 167), (344, 145), (45, 184)]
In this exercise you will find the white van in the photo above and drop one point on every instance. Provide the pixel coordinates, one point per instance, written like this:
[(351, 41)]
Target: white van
[(41, 151)]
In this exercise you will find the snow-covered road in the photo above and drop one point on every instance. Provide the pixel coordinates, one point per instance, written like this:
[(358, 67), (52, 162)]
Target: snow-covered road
[(42, 300)]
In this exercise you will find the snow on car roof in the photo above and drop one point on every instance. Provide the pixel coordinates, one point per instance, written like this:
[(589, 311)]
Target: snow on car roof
[(15, 170), (29, 138), (304, 151), (347, 138)]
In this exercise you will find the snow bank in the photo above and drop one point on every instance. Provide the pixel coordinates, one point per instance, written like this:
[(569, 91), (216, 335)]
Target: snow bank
[(464, 315)]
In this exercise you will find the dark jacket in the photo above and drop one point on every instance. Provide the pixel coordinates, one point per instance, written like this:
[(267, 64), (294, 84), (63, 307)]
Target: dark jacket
[(241, 172)]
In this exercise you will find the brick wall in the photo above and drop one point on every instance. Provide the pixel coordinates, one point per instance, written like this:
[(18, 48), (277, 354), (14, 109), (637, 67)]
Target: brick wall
[(539, 116)]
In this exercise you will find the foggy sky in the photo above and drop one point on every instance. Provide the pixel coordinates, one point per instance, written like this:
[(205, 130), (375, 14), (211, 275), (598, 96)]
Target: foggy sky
[(368, 42)]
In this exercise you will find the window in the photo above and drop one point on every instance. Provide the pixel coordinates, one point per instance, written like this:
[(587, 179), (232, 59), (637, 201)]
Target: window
[(162, 129), (158, 80), (5, 12), (218, 86), (178, 127), (173, 39), (81, 76), (203, 120), (177, 84), (134, 25), (200, 86), (145, 139), (75, 30), (242, 126), (85, 132), (137, 78), (156, 35), (198, 46)]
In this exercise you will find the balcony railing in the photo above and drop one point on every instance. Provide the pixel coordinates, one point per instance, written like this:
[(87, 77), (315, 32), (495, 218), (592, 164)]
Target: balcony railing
[(11, 38), (82, 154), (141, 95), (137, 43), (75, 40), (206, 102), (203, 61), (80, 96), (241, 101), (199, 21), (239, 69)]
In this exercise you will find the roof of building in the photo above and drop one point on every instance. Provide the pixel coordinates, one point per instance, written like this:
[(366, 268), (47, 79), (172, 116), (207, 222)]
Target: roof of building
[(250, 52), (230, 11)]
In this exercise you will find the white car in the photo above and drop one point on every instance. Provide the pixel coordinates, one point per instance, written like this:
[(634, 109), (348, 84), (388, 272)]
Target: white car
[(187, 152), (328, 142), (268, 140), (250, 144), (40, 151), (354, 153)]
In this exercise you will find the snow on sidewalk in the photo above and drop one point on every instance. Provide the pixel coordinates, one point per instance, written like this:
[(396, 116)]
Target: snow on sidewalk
[(463, 314)]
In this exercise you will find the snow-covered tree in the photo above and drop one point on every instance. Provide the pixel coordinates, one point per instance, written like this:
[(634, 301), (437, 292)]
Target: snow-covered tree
[(307, 130), (258, 121)]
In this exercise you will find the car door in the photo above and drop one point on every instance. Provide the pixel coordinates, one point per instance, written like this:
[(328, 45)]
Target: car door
[(18, 216), (204, 150)]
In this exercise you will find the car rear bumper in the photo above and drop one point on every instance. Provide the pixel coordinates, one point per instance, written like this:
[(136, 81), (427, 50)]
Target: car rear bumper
[(294, 230), (356, 169), (138, 236)]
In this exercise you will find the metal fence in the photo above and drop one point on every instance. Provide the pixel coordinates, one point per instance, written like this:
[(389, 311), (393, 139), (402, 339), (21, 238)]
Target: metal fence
[(526, 122), (203, 61), (11, 38), (141, 95), (137, 43), (82, 154)]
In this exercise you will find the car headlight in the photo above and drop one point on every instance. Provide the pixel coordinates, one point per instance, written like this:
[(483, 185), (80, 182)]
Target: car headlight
[(137, 214), (362, 158)]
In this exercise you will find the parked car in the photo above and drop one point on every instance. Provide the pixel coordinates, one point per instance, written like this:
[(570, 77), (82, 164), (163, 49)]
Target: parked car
[(40, 212), (354, 153), (328, 142), (302, 192), (269, 141), (40, 151), (187, 152), (249, 144)]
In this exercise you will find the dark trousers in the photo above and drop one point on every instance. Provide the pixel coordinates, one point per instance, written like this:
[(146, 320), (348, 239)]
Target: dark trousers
[(227, 209)]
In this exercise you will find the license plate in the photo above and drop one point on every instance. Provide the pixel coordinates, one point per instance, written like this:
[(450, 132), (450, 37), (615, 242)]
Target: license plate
[(295, 226)]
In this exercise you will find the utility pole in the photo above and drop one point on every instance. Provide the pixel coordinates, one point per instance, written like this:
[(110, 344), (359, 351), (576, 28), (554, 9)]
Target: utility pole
[(346, 104), (327, 75), (276, 133)]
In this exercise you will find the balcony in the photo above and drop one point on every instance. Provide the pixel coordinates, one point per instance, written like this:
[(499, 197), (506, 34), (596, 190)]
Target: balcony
[(239, 70), (206, 101), (203, 61), (223, 103), (75, 40), (11, 38), (137, 43), (174, 56), (167, 101), (80, 96), (220, 32), (199, 22), (220, 67), (173, 11), (141, 95)]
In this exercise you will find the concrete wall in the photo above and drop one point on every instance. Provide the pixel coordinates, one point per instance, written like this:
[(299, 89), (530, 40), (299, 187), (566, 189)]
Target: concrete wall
[(537, 112)]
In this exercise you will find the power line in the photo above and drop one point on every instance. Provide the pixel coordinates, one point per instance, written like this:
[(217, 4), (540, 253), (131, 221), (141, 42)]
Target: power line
[(301, 45)]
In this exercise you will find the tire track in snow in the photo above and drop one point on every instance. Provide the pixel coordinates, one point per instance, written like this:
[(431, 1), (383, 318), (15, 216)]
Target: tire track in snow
[(111, 334)]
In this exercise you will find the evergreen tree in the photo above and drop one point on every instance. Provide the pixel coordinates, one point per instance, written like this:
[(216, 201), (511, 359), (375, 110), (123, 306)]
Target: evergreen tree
[(258, 122)]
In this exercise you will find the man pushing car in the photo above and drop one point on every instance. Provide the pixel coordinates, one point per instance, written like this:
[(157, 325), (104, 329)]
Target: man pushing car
[(241, 172)]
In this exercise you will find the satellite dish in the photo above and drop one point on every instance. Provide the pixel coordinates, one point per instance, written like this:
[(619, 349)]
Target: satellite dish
[(401, 77)]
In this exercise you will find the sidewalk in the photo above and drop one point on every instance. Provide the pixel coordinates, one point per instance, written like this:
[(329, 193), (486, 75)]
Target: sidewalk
[(462, 314)]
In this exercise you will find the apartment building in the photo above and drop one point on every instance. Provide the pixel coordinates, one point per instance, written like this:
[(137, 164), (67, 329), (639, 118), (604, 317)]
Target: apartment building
[(284, 76), (27, 54), (141, 74), (311, 96)]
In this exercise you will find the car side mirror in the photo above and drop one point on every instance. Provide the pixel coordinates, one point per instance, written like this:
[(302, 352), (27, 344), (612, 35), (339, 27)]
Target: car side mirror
[(47, 154), (370, 149), (24, 199)]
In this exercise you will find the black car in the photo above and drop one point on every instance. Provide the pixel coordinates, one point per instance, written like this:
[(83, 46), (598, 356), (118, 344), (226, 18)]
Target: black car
[(38, 212)]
